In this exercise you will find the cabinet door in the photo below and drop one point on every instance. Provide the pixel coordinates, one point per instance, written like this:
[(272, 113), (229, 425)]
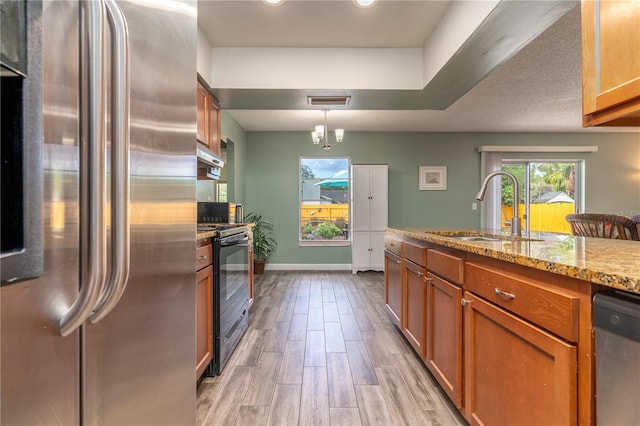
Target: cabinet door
[(204, 319), (611, 63), (214, 124), (203, 113), (360, 250), (251, 277), (515, 373), (415, 301), (379, 200), (361, 213), (376, 244), (444, 335), (393, 286)]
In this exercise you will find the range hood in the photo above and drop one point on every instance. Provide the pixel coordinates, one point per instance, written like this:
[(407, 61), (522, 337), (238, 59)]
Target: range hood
[(209, 164), (207, 158)]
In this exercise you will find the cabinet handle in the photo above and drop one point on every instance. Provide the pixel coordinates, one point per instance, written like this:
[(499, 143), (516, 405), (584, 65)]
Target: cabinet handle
[(419, 274), (465, 302), (427, 278), (202, 258), (504, 294), (397, 261)]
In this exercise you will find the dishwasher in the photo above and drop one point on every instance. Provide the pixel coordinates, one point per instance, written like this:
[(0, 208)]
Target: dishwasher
[(616, 320)]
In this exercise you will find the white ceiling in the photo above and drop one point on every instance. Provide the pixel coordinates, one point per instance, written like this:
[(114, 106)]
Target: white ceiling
[(538, 89)]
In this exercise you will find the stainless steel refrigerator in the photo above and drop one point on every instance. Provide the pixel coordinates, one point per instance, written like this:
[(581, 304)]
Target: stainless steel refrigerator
[(105, 332)]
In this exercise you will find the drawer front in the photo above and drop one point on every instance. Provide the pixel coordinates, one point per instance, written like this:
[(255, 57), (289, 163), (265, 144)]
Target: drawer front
[(447, 266), (203, 256), (549, 308), (415, 253), (393, 244)]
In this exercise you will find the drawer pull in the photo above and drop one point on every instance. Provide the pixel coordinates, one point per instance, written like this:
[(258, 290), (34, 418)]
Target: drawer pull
[(504, 294), (202, 258), (464, 302)]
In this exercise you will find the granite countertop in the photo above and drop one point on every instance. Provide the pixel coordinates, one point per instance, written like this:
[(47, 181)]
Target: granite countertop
[(201, 235), (612, 263)]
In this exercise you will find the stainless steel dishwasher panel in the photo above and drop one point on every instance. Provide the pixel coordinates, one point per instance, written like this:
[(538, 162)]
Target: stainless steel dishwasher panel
[(616, 321)]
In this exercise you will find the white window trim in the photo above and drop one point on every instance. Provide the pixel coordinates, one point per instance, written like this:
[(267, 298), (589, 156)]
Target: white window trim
[(537, 148)]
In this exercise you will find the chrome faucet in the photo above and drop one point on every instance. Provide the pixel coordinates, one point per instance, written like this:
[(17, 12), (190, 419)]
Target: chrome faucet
[(516, 230)]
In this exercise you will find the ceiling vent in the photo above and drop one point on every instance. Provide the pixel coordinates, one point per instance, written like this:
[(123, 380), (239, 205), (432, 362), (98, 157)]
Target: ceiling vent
[(328, 100)]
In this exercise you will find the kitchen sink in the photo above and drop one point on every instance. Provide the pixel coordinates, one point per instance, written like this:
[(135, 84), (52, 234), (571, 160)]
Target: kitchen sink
[(476, 238)]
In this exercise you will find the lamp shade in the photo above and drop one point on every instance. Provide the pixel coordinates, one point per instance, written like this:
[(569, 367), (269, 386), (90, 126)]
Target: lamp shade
[(339, 135)]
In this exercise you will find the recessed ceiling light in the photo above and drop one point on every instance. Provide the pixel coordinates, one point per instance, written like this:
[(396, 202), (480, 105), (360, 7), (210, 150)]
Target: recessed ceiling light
[(365, 3), (273, 2)]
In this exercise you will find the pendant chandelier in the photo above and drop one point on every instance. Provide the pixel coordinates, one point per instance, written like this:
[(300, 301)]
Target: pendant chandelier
[(321, 133)]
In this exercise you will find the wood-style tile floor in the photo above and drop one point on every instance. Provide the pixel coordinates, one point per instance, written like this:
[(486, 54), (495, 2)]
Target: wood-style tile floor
[(320, 350)]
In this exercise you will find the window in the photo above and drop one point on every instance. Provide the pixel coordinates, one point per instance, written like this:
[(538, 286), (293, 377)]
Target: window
[(549, 190), (324, 200), (538, 168)]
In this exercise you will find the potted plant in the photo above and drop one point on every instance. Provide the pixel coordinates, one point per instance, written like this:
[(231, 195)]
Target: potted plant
[(264, 242)]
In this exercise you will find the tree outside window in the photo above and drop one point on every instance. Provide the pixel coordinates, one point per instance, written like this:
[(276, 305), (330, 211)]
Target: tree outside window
[(324, 199)]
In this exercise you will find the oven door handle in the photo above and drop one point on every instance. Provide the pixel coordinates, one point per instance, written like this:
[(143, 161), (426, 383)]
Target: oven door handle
[(234, 240)]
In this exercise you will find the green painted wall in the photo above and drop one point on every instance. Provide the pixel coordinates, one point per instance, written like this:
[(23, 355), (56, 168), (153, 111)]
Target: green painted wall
[(271, 177), (232, 130)]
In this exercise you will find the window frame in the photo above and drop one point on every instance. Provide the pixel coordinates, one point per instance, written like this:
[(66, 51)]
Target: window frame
[(491, 157), (324, 243)]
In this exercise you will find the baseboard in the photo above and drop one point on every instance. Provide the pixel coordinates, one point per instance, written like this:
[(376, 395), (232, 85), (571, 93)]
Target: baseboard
[(307, 267)]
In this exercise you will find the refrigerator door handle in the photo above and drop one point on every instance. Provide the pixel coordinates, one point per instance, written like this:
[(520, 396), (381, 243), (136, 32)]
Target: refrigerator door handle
[(120, 242), (92, 245)]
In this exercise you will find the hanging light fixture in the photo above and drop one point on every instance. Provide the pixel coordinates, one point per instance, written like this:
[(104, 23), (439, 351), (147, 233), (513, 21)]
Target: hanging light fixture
[(321, 133)]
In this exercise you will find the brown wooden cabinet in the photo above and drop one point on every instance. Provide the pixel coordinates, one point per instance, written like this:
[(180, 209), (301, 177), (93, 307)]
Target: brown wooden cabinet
[(204, 306), (530, 331), (414, 325), (515, 372), (443, 355), (509, 344), (393, 286), (208, 118), (250, 266), (611, 63)]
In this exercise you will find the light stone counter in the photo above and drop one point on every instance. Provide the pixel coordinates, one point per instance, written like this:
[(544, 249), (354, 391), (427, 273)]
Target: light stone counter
[(201, 235), (611, 263)]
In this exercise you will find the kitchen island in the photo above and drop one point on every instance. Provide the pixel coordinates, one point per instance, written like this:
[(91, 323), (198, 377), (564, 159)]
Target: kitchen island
[(505, 323), (609, 263)]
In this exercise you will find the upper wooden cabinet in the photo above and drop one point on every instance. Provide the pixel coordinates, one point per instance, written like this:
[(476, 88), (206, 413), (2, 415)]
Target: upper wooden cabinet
[(611, 63), (208, 119)]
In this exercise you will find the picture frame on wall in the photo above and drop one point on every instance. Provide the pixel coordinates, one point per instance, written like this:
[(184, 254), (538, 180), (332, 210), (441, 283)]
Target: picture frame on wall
[(433, 178)]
